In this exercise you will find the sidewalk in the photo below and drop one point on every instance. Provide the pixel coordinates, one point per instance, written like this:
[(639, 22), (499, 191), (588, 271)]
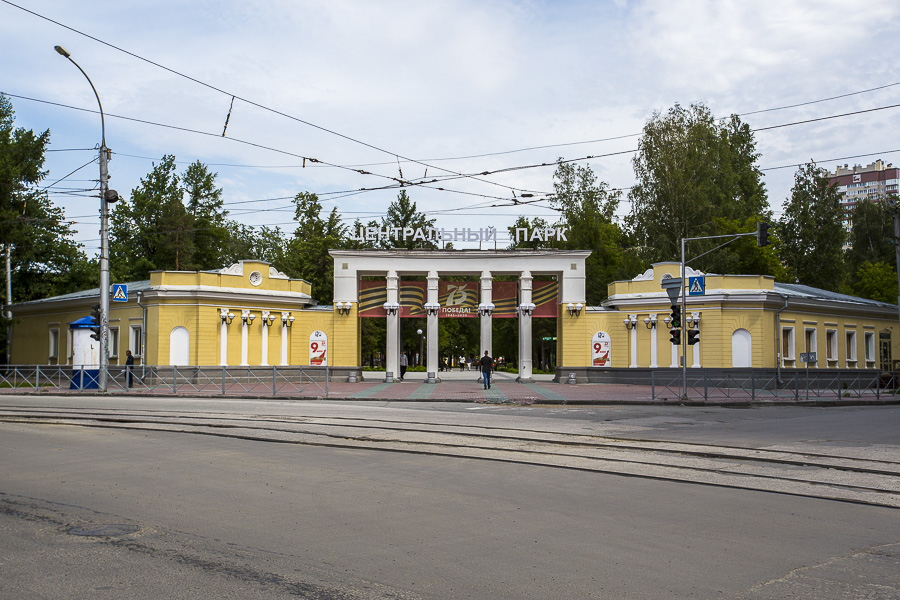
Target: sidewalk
[(463, 386)]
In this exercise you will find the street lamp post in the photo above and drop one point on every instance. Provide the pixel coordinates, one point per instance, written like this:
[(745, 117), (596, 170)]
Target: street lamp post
[(104, 233), (421, 343)]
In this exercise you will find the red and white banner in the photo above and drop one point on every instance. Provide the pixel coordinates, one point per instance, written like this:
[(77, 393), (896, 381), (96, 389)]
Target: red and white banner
[(458, 299)]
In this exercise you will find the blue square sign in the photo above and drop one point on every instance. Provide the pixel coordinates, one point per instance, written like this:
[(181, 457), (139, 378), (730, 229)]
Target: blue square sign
[(696, 286), (120, 292)]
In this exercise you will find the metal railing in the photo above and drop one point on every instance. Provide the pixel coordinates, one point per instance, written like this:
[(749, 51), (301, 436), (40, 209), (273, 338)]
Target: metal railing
[(794, 386), (271, 381)]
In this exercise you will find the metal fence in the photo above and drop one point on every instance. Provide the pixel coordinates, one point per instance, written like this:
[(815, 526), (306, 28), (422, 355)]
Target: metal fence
[(187, 380), (795, 386)]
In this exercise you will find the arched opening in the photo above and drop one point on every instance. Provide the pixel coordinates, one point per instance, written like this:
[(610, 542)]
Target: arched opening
[(179, 346), (741, 349)]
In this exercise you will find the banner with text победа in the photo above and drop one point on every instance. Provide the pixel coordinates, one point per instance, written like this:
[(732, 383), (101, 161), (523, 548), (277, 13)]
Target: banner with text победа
[(458, 299)]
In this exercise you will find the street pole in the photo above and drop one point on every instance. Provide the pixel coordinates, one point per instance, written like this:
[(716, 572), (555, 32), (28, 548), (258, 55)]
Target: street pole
[(104, 234), (684, 336), (421, 348), (897, 248)]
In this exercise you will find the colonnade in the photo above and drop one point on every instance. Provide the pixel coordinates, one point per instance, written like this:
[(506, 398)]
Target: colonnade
[(267, 320), (524, 310), (635, 322)]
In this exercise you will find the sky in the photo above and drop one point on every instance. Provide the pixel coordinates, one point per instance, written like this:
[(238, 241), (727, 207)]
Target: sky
[(451, 88)]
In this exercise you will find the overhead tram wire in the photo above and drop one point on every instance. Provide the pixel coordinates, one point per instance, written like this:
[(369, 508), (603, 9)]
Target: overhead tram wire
[(400, 183), (251, 102)]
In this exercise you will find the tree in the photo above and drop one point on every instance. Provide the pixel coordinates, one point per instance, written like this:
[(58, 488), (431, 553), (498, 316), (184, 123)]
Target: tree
[(871, 249), (244, 242), (523, 223), (810, 234), (153, 230), (44, 260), (697, 177), (876, 281), (307, 253), (210, 228), (587, 209), (402, 214)]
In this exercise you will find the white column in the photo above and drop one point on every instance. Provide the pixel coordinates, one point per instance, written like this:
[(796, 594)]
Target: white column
[(223, 337), (264, 351), (245, 342), (525, 363), (284, 338), (654, 341), (487, 330), (696, 318), (392, 351), (431, 364), (634, 327)]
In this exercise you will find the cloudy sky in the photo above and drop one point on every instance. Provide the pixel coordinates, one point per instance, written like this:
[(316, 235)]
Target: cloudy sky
[(439, 88)]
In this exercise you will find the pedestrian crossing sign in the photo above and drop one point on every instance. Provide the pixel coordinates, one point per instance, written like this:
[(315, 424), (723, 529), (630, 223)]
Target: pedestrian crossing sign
[(120, 292), (696, 286)]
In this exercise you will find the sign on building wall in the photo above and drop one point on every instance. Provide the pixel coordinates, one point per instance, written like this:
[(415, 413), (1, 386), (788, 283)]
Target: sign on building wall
[(600, 345), (458, 299), (318, 349)]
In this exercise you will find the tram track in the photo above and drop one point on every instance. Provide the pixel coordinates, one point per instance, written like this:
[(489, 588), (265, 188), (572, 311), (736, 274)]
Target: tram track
[(799, 469)]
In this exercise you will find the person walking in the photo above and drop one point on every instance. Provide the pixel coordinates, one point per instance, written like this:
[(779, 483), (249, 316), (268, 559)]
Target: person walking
[(404, 362), (487, 364), (129, 364)]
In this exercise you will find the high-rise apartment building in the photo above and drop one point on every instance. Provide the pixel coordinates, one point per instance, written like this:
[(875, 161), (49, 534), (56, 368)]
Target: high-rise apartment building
[(857, 184)]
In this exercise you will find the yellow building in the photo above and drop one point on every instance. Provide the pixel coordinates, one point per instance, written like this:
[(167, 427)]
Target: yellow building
[(247, 314), (743, 322), (250, 314)]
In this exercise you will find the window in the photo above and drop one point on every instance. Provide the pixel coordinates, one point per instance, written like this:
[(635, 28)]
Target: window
[(54, 343), (113, 342), (787, 344), (851, 349), (870, 348), (831, 347), (810, 343), (136, 341)]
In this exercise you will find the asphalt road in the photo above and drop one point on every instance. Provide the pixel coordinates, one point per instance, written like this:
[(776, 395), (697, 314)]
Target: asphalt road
[(224, 517)]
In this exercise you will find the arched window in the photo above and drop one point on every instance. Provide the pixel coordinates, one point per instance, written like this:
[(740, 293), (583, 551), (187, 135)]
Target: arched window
[(741, 349), (179, 346)]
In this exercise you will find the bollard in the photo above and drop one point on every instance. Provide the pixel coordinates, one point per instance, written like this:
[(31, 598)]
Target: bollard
[(351, 378), (389, 377), (431, 378), (571, 378)]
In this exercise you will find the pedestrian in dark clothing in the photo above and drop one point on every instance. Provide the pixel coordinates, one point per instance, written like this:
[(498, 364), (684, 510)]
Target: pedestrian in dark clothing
[(487, 364), (129, 363)]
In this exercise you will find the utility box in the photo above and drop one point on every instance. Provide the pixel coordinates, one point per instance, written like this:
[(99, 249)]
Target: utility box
[(85, 355)]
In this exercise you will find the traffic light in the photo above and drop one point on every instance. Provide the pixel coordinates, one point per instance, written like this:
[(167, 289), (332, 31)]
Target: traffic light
[(693, 336), (676, 317), (95, 315), (676, 337), (762, 234)]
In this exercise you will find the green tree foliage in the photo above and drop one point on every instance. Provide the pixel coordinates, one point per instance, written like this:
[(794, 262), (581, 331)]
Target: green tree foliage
[(209, 225), (871, 250), (530, 225), (697, 177), (876, 281), (810, 234), (251, 243), (871, 234), (587, 208), (402, 213), (44, 260), (307, 252), (153, 230)]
